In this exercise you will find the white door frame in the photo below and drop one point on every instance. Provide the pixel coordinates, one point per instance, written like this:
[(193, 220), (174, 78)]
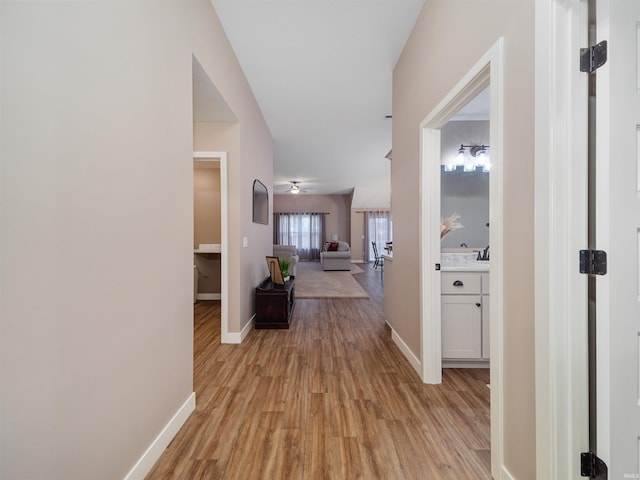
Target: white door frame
[(221, 158), (487, 71), (561, 222)]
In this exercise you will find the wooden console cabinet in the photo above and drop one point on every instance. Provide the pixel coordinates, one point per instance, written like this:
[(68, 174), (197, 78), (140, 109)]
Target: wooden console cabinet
[(274, 304)]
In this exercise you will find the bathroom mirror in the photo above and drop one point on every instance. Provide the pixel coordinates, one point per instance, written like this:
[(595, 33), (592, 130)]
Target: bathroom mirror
[(465, 192)]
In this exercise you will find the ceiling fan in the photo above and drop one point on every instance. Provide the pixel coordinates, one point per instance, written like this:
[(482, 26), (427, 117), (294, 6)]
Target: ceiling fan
[(294, 188)]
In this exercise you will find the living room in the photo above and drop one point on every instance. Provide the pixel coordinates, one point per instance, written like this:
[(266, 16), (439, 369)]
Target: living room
[(343, 221)]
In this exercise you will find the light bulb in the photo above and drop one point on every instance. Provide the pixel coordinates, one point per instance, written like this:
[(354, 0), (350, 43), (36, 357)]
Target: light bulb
[(483, 160), (460, 160), (469, 165), (450, 164)]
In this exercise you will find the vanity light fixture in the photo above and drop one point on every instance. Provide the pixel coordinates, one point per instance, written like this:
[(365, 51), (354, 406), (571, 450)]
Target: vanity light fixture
[(460, 157), (478, 156), (452, 163)]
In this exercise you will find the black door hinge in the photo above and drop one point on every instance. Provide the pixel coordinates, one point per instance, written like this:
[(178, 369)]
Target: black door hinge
[(593, 467), (593, 262), (593, 58)]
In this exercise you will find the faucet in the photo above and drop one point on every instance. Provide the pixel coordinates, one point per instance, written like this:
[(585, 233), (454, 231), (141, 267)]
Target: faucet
[(483, 255)]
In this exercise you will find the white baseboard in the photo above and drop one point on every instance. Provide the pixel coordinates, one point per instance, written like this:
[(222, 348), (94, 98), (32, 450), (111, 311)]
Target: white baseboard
[(208, 296), (247, 328), (149, 458), (465, 364), (358, 261), (235, 337), (406, 351), (505, 474)]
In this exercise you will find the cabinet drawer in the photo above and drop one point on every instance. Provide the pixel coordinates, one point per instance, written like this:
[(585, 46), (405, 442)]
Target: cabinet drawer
[(460, 283)]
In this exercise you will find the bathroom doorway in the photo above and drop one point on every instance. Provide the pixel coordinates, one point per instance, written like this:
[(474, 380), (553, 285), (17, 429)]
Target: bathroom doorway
[(210, 231), (486, 73), (211, 114), (465, 254)]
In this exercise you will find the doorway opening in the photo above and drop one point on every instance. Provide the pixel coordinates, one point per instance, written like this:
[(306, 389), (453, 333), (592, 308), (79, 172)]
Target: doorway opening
[(465, 255), (487, 72), (214, 255), (210, 109)]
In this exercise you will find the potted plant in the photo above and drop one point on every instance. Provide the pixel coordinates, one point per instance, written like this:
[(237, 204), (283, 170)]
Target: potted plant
[(285, 264)]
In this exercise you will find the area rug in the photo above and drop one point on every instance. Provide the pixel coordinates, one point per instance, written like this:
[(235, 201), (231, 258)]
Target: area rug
[(313, 282)]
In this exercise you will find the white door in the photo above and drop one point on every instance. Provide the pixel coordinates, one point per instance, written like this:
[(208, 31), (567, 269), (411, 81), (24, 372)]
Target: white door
[(618, 233)]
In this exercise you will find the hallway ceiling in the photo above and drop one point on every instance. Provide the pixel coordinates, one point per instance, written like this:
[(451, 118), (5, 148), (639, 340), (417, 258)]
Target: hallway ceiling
[(321, 71)]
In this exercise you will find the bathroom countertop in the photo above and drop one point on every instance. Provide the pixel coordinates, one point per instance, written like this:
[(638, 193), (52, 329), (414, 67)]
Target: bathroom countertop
[(462, 262)]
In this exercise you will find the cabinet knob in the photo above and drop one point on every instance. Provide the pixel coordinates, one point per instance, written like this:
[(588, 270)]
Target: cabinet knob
[(478, 304), (458, 283)]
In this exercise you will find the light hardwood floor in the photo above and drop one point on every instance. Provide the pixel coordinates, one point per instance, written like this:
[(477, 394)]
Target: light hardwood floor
[(330, 398)]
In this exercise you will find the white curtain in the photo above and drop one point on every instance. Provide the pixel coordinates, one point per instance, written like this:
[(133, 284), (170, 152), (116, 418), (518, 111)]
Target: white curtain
[(304, 230), (378, 228)]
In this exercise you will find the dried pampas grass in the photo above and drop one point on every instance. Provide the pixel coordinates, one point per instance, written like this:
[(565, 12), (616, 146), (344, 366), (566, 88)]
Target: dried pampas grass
[(449, 224)]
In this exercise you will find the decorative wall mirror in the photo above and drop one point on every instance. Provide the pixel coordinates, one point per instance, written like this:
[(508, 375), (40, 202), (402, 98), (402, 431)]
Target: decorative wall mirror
[(260, 203)]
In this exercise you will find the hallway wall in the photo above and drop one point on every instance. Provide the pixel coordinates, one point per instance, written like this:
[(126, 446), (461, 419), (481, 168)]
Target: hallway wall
[(96, 208), (446, 42)]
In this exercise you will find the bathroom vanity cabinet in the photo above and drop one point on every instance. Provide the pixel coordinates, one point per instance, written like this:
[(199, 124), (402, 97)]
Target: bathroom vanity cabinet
[(465, 316)]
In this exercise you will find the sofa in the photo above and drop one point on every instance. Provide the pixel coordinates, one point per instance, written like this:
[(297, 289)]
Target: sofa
[(336, 257), (290, 252)]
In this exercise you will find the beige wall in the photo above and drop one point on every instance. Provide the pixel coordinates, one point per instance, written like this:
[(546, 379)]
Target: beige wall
[(337, 206), (425, 73), (96, 208), (206, 204), (207, 223), (249, 157), (357, 235)]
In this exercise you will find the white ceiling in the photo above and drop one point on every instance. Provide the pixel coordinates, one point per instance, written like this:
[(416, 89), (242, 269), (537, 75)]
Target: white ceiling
[(321, 72)]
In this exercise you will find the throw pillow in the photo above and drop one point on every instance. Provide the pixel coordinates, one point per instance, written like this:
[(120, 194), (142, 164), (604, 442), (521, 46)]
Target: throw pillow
[(333, 247)]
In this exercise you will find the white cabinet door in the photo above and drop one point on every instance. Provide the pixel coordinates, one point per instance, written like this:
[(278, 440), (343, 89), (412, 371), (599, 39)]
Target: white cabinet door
[(461, 326)]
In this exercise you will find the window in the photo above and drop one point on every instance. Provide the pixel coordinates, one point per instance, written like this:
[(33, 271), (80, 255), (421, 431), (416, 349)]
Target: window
[(304, 230), (378, 228)]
